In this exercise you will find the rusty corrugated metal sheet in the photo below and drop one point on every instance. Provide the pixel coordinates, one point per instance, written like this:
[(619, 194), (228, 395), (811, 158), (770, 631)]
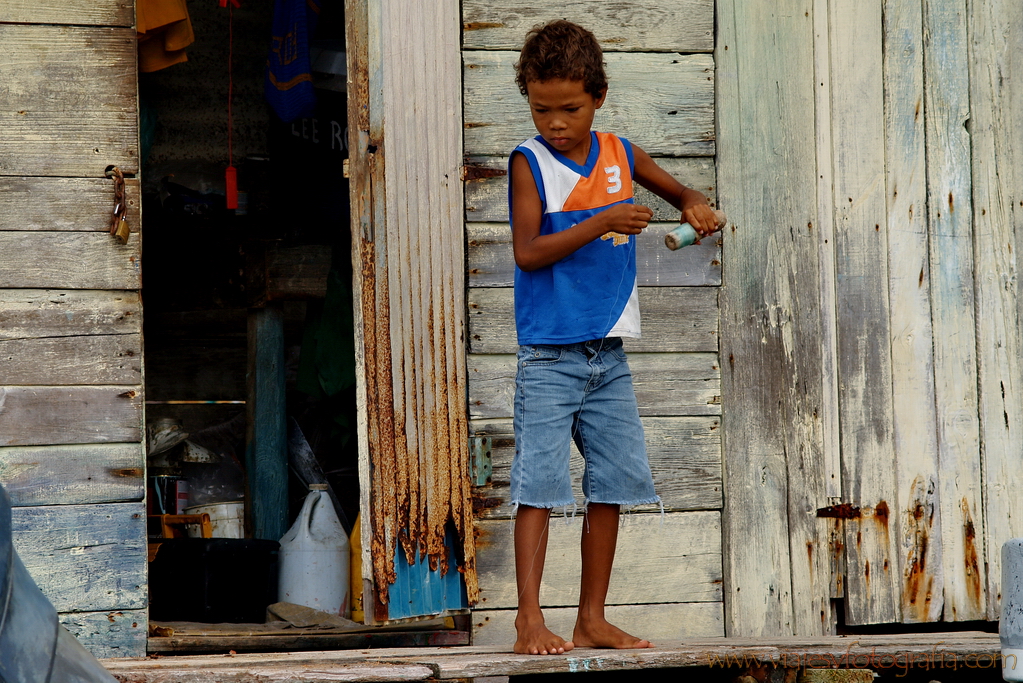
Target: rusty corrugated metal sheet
[(409, 263)]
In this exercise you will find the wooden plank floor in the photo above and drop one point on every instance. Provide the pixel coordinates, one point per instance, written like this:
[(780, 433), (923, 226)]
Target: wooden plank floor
[(920, 651)]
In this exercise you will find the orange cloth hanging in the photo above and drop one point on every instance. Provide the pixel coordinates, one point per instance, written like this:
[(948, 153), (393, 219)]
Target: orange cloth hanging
[(164, 31)]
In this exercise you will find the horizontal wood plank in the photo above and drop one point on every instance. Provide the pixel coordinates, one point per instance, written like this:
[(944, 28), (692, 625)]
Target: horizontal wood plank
[(486, 199), (73, 474), (303, 639), (71, 204), (69, 260), (478, 661), (666, 384), (674, 319), (116, 633), (85, 558), (492, 261), (81, 12), (197, 368), (42, 313), (35, 416), (70, 100), (99, 359), (644, 25), (659, 559), (657, 623), (684, 454), (662, 102)]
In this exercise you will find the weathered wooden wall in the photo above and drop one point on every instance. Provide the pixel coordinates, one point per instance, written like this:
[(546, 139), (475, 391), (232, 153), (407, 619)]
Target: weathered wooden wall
[(661, 98), (71, 455), (870, 309)]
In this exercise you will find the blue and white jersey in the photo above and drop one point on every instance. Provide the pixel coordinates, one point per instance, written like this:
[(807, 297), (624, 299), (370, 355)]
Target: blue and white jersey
[(591, 293)]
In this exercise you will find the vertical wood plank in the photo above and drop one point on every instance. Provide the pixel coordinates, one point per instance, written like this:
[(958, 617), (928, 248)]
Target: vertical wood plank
[(826, 245), (950, 214), (864, 349), (266, 454), (364, 174), (913, 417), (996, 127), (776, 566)]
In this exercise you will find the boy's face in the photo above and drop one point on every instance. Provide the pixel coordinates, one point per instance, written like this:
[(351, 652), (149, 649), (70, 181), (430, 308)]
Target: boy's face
[(563, 114)]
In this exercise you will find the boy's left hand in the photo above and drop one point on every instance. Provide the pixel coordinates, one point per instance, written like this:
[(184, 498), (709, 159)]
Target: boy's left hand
[(701, 217)]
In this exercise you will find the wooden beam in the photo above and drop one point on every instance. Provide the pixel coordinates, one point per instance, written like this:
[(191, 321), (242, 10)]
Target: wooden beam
[(675, 558), (275, 273), (114, 633), (664, 103), (492, 263), (776, 558), (658, 623), (69, 260), (73, 474), (647, 25), (41, 313), (684, 453), (674, 319), (873, 587), (665, 384), (70, 104), (932, 651), (950, 219), (266, 448), (80, 12), (85, 558), (486, 197), (99, 359), (32, 416), (65, 204), (920, 556), (303, 639), (996, 138)]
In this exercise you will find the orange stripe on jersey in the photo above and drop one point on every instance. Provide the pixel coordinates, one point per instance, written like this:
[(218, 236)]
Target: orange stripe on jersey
[(609, 182)]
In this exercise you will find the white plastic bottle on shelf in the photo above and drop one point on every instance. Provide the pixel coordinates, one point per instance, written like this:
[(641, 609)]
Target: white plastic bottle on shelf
[(314, 557)]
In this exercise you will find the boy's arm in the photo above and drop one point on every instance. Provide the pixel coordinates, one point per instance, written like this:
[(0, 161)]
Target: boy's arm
[(533, 250), (692, 203)]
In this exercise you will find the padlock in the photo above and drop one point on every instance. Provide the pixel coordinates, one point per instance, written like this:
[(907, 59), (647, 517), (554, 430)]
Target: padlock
[(123, 230)]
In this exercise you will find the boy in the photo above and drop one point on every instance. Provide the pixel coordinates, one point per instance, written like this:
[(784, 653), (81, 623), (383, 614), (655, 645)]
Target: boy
[(573, 220)]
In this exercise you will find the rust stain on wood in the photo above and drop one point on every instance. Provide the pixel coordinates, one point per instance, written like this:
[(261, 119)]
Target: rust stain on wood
[(970, 558), (477, 25), (476, 172), (918, 579), (128, 472), (840, 511)]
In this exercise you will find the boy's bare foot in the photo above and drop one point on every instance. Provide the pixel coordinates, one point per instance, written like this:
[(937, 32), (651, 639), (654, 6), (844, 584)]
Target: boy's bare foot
[(534, 638), (601, 633)]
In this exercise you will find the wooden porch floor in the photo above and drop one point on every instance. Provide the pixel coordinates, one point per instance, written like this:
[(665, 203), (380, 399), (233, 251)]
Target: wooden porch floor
[(930, 652)]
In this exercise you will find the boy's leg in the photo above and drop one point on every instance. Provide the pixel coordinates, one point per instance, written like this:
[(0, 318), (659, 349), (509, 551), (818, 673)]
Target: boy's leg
[(534, 638), (600, 536)]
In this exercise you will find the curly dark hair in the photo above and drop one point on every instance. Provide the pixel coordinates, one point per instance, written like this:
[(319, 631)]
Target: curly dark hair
[(563, 50)]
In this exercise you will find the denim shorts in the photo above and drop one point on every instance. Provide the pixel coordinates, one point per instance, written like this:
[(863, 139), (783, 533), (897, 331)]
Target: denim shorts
[(582, 392)]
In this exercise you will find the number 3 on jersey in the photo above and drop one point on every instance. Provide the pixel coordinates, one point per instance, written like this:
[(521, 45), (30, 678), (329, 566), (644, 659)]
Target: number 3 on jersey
[(614, 179)]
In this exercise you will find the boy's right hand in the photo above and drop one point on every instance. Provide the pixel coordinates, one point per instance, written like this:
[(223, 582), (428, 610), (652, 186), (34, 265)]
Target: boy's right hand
[(627, 219)]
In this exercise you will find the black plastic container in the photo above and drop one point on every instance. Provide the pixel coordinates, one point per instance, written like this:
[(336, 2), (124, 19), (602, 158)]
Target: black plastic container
[(213, 580)]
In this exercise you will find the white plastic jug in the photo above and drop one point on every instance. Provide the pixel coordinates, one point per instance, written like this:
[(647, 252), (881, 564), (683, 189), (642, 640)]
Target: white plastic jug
[(314, 556)]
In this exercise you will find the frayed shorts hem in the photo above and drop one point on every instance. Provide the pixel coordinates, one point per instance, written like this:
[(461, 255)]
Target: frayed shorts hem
[(625, 503), (545, 506), (656, 500)]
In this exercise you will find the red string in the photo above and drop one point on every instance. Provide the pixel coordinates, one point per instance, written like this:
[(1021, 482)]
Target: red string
[(230, 174), (230, 82)]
